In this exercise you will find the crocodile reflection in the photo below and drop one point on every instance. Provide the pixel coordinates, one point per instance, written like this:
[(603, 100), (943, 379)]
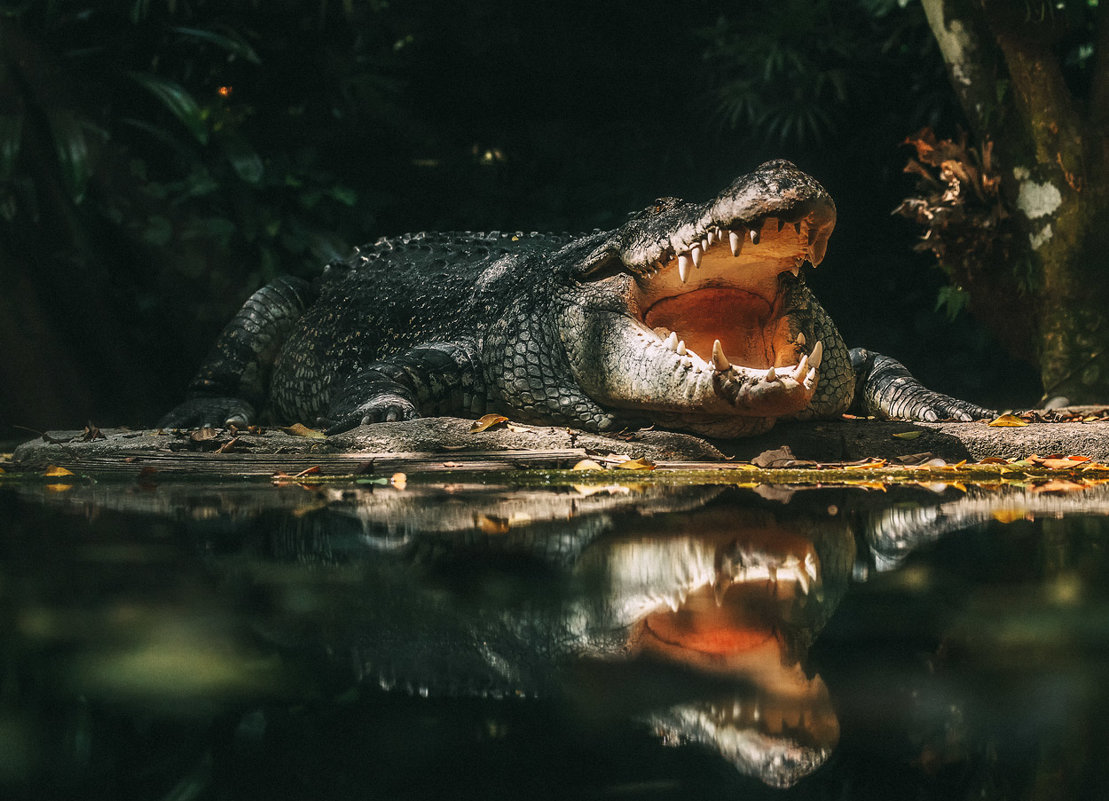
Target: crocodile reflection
[(716, 603)]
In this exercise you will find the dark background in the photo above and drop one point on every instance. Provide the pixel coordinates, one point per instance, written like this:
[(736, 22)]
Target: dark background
[(169, 158)]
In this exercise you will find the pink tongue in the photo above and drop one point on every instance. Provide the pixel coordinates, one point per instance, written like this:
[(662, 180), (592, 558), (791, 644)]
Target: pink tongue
[(737, 318)]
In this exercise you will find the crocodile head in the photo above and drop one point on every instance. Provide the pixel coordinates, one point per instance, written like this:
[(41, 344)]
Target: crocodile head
[(695, 315)]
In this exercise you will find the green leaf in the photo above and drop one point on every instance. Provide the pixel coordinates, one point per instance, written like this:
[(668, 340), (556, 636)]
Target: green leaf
[(179, 102), (246, 163), (11, 136), (953, 300), (73, 151), (232, 44)]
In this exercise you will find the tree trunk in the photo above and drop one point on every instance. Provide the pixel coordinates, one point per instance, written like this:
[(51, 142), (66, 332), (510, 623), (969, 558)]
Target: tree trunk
[(1052, 154)]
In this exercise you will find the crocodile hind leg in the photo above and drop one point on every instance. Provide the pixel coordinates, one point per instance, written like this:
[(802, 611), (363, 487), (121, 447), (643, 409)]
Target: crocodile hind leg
[(885, 388), (431, 379), (232, 382)]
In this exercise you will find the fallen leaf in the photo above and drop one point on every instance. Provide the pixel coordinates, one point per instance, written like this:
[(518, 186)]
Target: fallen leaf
[(587, 464), (228, 446), (486, 422), (993, 460), (1010, 420), (57, 471), (301, 430), (308, 471), (203, 434), (399, 480), (636, 464), (908, 434), (1009, 515)]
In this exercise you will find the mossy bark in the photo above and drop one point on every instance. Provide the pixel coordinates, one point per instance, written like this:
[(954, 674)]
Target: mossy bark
[(1052, 151)]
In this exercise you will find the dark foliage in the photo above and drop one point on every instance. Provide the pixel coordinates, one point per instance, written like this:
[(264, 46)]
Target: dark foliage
[(160, 159)]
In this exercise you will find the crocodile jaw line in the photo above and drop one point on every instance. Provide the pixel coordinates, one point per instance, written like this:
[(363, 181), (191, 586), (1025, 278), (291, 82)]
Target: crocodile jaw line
[(706, 338)]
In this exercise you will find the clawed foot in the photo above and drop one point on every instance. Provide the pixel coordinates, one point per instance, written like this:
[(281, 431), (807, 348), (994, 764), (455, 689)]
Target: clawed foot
[(209, 413), (383, 408)]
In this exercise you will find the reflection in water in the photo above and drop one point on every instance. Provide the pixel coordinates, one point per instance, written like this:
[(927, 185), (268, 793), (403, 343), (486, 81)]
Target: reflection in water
[(689, 611)]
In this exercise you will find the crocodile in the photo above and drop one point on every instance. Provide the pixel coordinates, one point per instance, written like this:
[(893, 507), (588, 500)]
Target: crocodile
[(689, 316)]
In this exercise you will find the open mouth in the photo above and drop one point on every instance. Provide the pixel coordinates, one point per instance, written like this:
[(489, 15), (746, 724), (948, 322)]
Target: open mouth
[(723, 299)]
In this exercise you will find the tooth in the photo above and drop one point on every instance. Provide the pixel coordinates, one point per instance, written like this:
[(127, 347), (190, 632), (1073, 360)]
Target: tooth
[(672, 341), (810, 379), (719, 360), (801, 340), (680, 350), (817, 354), (799, 371), (705, 243), (770, 374), (735, 242), (683, 267), (710, 237), (817, 248), (796, 272), (696, 254), (754, 236)]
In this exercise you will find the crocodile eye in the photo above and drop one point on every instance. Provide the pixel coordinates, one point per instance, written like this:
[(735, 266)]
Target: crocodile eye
[(600, 266)]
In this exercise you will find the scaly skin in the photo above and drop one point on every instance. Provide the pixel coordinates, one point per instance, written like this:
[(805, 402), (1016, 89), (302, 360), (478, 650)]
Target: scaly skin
[(689, 316)]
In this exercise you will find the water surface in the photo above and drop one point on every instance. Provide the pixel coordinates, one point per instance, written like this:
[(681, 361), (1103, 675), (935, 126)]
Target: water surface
[(495, 638)]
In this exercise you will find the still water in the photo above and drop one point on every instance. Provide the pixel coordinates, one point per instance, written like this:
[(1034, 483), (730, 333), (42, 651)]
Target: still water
[(487, 638)]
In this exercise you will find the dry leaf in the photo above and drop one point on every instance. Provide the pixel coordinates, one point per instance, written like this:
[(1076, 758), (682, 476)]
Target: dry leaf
[(301, 430), (993, 460), (52, 470), (587, 464), (308, 471), (203, 434), (1010, 420), (908, 434), (636, 464), (486, 422), (399, 480), (1009, 515)]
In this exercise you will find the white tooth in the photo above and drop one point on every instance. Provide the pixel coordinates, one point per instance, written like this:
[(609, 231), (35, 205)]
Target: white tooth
[(683, 267), (672, 341), (817, 354), (799, 371), (801, 340), (719, 360), (810, 379), (695, 254), (754, 236), (770, 374), (735, 241), (705, 243), (710, 237), (681, 351)]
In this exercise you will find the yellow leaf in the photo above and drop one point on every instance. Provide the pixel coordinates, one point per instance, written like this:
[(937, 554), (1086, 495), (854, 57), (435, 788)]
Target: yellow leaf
[(1009, 515), (636, 464), (908, 434), (587, 464), (1008, 420), (301, 430), (399, 480), (871, 464), (57, 471), (486, 422)]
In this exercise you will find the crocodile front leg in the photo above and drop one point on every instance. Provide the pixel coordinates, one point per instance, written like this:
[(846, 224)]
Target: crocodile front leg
[(233, 381), (432, 379), (885, 388)]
